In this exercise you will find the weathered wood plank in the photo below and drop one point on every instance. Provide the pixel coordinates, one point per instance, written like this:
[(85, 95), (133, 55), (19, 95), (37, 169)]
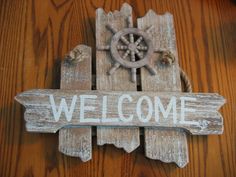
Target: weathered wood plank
[(126, 138), (166, 145), (33, 34), (55, 109), (76, 74)]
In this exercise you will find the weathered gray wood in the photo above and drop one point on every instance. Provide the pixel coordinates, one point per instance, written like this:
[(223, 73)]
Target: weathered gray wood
[(101, 108), (76, 74), (126, 138), (167, 145)]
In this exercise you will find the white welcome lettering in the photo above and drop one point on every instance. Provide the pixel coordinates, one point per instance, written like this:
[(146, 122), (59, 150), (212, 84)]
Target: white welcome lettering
[(184, 109), (120, 110), (139, 110), (159, 110), (84, 108), (165, 113), (63, 106), (104, 112)]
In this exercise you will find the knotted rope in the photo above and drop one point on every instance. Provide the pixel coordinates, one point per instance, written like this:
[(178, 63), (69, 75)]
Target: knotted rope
[(167, 58), (75, 56)]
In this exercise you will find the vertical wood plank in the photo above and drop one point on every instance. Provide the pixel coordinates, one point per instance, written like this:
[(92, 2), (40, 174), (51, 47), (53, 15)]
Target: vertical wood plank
[(126, 138), (76, 74), (33, 34), (167, 145)]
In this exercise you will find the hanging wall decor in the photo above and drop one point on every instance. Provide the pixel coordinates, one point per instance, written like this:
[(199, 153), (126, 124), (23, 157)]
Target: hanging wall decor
[(138, 84)]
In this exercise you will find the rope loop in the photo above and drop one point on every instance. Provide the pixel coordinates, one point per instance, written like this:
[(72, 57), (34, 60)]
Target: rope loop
[(184, 77), (167, 57), (75, 56)]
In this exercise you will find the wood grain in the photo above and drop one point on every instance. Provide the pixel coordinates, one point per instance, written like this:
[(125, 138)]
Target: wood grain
[(89, 108), (34, 37), (160, 142), (76, 73), (126, 138)]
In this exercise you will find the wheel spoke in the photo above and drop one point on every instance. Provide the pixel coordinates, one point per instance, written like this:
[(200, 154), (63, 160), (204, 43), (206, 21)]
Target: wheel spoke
[(124, 40), (132, 56), (130, 22), (159, 50), (131, 38), (149, 29), (133, 70), (111, 28), (122, 47), (144, 48), (139, 40), (114, 68), (151, 69), (103, 47), (126, 54), (133, 75), (138, 54)]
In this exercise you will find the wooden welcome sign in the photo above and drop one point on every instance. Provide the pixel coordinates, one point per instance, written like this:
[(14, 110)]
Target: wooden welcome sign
[(151, 97), (55, 109)]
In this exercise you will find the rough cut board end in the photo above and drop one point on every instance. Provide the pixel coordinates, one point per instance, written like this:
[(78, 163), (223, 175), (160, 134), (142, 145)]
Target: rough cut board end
[(181, 162), (42, 104), (163, 139), (125, 138), (76, 73)]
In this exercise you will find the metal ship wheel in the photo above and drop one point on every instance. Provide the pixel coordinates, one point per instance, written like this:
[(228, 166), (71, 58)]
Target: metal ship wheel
[(131, 43)]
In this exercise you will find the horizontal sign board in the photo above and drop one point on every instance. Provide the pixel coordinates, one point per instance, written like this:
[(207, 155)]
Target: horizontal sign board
[(50, 110)]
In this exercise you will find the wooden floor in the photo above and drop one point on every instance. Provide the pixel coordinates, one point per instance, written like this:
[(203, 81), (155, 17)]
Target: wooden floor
[(34, 37)]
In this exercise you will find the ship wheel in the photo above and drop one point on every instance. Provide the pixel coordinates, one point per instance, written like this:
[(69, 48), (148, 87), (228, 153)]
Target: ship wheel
[(131, 43)]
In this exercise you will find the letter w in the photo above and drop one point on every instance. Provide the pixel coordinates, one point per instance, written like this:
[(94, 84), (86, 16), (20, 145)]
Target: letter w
[(63, 106)]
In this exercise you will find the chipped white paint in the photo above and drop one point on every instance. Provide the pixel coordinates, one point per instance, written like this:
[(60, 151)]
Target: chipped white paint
[(120, 108), (167, 145), (62, 107), (121, 137), (84, 108), (159, 108), (184, 109), (76, 73), (118, 115), (196, 113), (165, 113)]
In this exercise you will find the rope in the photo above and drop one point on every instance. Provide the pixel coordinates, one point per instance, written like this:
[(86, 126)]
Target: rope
[(167, 58), (75, 56), (186, 80)]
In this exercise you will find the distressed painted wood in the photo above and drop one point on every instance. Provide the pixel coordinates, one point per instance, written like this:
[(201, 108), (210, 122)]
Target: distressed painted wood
[(35, 34), (126, 138), (167, 145), (50, 110), (76, 74), (128, 43)]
